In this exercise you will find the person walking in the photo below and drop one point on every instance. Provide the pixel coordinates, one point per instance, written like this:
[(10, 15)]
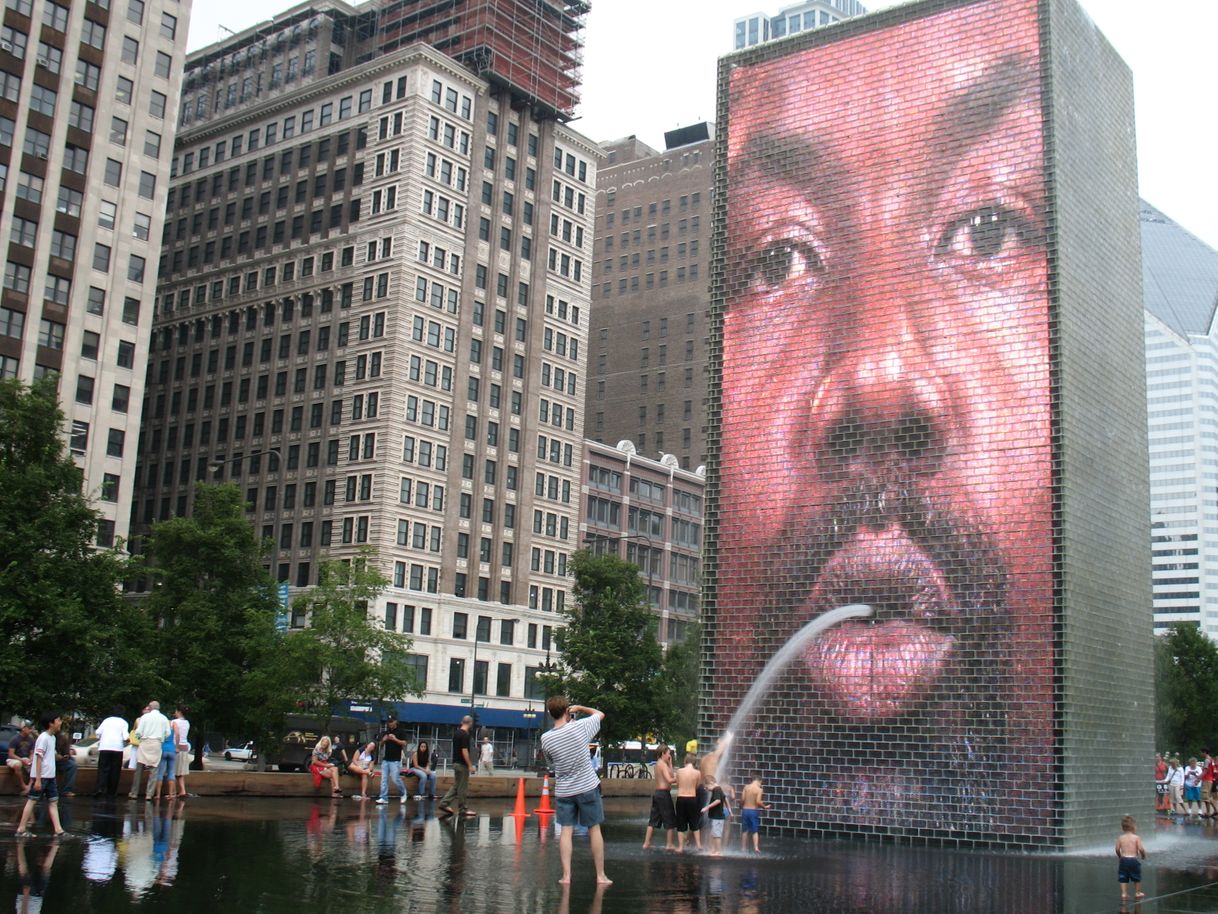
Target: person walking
[(576, 785), (111, 737), (486, 757), (462, 763), (151, 731), (42, 777), (421, 766), (391, 762)]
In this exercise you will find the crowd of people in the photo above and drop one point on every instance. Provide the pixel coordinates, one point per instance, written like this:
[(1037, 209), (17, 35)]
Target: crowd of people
[(1189, 791)]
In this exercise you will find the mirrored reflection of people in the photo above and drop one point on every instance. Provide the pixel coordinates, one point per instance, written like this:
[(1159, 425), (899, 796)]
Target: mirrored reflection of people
[(32, 879), (663, 813), (886, 433)]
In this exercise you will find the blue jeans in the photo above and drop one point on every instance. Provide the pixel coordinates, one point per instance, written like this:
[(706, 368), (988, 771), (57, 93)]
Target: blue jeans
[(427, 781), (391, 771), (165, 770)]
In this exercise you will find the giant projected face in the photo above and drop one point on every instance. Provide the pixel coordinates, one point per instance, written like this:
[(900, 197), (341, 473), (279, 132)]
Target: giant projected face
[(886, 413)]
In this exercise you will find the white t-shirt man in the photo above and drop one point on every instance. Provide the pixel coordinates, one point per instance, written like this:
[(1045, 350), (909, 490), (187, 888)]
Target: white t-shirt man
[(112, 734)]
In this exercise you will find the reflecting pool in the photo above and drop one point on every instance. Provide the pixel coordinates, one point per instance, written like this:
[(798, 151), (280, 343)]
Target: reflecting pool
[(326, 857)]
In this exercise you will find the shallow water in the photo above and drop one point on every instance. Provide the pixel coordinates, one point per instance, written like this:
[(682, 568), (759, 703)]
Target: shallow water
[(270, 855)]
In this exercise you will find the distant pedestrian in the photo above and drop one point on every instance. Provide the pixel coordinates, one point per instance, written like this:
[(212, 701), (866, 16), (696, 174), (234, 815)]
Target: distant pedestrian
[(1192, 787), (462, 763), (752, 802), (1130, 854), (65, 764), (111, 737), (391, 762), (1175, 786), (576, 785), (1208, 800), (151, 731), (363, 766), (166, 769), (486, 757), (42, 777), (181, 740), (421, 766)]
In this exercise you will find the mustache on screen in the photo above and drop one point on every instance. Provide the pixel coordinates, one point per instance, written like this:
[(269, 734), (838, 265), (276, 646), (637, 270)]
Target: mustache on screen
[(960, 549)]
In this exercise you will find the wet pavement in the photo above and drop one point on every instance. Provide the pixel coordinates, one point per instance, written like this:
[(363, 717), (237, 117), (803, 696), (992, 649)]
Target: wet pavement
[(268, 855)]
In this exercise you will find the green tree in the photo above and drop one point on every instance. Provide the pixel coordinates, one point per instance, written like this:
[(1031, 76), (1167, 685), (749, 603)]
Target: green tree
[(216, 609), (68, 640), (1186, 685), (343, 652), (610, 658), (679, 689)]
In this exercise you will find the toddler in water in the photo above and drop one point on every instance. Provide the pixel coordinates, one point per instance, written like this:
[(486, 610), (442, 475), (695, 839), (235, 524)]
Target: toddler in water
[(1130, 853)]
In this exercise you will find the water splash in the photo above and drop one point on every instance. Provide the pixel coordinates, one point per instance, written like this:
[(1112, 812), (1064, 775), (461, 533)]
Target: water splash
[(794, 647)]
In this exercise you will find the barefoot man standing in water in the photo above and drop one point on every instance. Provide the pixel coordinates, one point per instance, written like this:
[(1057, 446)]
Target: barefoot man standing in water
[(576, 785), (663, 815)]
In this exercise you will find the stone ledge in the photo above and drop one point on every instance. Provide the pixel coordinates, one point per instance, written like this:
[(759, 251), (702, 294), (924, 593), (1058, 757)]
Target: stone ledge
[(280, 784)]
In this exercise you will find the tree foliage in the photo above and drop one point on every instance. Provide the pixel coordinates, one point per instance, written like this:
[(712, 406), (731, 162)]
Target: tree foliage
[(679, 690), (1186, 684), (609, 656), (344, 653), (215, 607), (68, 640)]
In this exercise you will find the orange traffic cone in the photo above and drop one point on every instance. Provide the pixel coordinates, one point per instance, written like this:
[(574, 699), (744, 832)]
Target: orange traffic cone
[(544, 808), (520, 812)]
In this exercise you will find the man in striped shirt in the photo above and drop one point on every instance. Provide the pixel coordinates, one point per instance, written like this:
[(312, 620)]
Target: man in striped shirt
[(576, 785)]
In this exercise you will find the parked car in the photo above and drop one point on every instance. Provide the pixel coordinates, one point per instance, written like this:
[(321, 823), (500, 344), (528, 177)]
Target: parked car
[(243, 753), (85, 751), (302, 733)]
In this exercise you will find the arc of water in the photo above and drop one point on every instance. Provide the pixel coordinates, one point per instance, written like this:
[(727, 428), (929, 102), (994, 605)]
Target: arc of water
[(788, 652)]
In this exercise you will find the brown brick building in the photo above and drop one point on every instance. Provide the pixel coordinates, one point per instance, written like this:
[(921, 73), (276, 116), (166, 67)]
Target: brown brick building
[(647, 336)]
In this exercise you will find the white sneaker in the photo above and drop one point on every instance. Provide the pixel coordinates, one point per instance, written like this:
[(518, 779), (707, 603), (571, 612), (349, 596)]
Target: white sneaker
[(418, 796), (403, 799), (357, 796), (381, 801)]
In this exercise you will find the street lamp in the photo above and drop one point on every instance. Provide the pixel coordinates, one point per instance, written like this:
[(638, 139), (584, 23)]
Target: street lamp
[(590, 537), (221, 462)]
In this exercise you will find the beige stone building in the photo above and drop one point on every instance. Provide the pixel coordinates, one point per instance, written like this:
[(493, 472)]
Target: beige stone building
[(373, 317), (88, 106)]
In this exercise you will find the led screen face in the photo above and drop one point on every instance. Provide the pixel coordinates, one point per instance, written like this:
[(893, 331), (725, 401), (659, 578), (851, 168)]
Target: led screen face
[(885, 432)]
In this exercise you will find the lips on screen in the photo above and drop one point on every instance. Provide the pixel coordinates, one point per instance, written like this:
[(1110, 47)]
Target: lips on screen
[(885, 427)]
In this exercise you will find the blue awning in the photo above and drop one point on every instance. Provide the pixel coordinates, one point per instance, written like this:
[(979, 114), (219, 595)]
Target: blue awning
[(419, 712)]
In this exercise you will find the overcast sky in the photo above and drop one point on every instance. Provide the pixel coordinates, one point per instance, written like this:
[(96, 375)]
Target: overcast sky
[(650, 66)]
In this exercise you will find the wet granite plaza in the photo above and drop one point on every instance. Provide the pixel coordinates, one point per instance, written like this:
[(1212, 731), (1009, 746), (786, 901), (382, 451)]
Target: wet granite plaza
[(326, 857)]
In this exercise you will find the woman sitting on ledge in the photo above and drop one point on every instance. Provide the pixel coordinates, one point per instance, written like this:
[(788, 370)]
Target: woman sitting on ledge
[(322, 768), (421, 765), (363, 765)]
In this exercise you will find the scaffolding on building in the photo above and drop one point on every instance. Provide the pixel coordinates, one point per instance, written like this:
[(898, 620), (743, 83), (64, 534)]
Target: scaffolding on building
[(531, 48)]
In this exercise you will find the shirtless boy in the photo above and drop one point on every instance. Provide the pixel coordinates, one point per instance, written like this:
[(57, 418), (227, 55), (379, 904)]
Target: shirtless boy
[(1130, 853), (752, 802), (663, 814), (689, 809)]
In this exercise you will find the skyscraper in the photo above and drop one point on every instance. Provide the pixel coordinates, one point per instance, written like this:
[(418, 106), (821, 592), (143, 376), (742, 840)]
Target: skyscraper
[(88, 103), (372, 317), (1180, 289), (791, 20)]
